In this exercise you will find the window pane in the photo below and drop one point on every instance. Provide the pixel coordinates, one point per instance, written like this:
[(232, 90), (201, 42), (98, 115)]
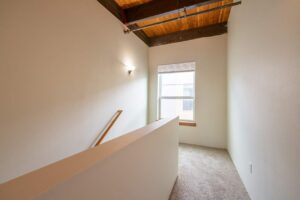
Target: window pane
[(187, 105), (177, 84), (181, 107)]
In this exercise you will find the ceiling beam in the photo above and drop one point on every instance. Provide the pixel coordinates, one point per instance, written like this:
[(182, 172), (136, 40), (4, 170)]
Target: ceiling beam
[(114, 8), (186, 16), (157, 8), (208, 31), (118, 12), (141, 34)]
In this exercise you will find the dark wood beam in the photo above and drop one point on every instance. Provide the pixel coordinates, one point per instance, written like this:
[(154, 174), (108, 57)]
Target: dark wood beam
[(212, 30), (118, 12), (156, 8), (114, 8), (141, 34)]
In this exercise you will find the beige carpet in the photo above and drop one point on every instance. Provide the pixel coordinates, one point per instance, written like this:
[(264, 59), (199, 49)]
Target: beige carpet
[(207, 174)]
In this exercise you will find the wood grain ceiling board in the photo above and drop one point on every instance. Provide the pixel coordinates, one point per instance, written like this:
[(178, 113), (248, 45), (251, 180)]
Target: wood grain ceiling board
[(214, 17), (130, 3)]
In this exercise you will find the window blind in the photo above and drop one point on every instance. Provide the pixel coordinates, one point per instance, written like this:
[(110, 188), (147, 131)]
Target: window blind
[(182, 67)]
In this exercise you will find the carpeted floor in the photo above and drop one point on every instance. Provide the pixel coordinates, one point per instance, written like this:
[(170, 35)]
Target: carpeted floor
[(207, 174)]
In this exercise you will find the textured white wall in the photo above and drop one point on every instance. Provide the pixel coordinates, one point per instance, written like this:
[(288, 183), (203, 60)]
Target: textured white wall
[(210, 55), (136, 172), (62, 77), (264, 97), (127, 168)]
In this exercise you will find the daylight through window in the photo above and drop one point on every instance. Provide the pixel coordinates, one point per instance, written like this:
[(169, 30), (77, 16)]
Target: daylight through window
[(176, 91)]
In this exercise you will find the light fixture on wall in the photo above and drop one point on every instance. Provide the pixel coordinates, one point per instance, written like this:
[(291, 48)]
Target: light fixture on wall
[(130, 68)]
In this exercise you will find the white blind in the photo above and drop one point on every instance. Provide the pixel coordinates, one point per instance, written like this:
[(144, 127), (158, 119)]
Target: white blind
[(181, 67)]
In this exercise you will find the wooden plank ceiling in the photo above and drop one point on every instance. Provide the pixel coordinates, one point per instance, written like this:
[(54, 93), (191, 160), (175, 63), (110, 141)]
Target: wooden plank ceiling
[(130, 3), (141, 13)]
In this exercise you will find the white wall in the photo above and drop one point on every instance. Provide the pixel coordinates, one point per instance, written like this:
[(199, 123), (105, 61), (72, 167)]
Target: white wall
[(127, 168), (210, 55), (264, 97), (62, 77)]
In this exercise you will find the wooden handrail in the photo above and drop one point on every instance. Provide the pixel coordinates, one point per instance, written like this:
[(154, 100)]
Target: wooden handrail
[(107, 129)]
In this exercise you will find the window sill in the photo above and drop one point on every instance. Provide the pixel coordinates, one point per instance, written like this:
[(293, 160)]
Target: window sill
[(187, 123)]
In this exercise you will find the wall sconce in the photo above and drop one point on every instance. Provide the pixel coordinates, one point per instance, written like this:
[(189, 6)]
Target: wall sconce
[(130, 69)]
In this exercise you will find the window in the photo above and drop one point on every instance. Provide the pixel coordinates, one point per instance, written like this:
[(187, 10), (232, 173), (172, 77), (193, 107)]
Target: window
[(176, 91)]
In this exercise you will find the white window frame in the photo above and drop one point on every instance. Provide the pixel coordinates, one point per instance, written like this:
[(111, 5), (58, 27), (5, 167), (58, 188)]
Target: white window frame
[(160, 97)]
